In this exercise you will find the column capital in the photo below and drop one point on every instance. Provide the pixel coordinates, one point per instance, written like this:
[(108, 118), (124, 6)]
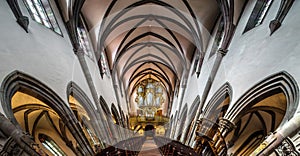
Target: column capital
[(226, 124), (78, 50), (222, 51)]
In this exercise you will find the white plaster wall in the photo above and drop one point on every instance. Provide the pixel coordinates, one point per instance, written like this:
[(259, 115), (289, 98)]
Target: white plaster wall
[(252, 56), (256, 55), (41, 53), (195, 86)]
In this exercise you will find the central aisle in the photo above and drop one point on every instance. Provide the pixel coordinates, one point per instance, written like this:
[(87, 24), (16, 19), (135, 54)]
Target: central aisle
[(149, 148)]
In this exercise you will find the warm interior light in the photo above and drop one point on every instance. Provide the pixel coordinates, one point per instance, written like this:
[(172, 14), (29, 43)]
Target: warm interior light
[(149, 97)]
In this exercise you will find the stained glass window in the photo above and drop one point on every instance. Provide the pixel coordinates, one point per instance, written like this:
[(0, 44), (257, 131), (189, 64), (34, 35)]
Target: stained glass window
[(41, 12)]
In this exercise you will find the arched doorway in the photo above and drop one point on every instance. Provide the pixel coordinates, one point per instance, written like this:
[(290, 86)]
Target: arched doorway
[(149, 130)]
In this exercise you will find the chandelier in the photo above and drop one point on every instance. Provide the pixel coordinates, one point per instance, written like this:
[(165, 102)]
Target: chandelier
[(149, 96)]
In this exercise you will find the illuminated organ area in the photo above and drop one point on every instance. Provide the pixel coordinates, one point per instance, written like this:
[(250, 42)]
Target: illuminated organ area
[(149, 77)]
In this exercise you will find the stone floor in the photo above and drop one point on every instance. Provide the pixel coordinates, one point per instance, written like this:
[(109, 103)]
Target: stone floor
[(149, 148)]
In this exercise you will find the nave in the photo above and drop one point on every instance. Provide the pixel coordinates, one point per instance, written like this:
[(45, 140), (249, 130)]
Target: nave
[(93, 77), (148, 146)]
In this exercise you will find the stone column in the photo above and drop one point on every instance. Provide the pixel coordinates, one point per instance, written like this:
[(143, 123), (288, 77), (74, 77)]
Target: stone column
[(226, 126), (23, 141), (104, 124), (276, 138)]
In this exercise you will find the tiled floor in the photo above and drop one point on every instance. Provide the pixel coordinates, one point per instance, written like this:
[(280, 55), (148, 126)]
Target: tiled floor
[(149, 148)]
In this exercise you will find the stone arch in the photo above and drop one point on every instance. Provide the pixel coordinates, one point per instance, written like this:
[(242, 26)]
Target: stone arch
[(191, 118), (110, 128), (174, 121), (169, 126), (219, 103), (115, 114), (193, 109), (19, 81), (90, 124), (122, 116), (74, 90), (104, 106), (267, 105), (181, 121), (282, 80)]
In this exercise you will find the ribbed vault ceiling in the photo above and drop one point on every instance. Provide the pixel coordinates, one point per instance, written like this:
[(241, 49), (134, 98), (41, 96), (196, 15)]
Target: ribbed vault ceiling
[(149, 37)]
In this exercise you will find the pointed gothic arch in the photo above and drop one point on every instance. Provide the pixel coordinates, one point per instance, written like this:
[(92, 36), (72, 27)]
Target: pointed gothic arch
[(19, 81), (104, 106), (85, 110), (219, 103), (181, 121), (267, 105), (115, 114)]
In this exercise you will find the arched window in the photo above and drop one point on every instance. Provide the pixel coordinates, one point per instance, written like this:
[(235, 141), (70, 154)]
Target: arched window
[(41, 12), (50, 145), (258, 14), (84, 40), (103, 64), (218, 38)]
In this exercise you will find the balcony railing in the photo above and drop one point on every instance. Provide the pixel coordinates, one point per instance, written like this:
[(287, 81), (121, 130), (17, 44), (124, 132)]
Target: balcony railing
[(144, 119)]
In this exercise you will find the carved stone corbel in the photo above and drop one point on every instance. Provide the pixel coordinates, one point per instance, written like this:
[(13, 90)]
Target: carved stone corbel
[(284, 8), (22, 20)]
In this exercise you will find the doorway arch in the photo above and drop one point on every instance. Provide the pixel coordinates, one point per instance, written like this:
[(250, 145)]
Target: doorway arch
[(20, 83), (149, 130)]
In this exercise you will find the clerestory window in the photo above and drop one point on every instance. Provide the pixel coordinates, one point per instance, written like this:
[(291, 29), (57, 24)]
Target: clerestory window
[(218, 38), (41, 12), (85, 42), (258, 14)]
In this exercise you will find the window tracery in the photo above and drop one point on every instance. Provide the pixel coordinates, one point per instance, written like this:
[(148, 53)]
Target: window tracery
[(258, 14), (41, 12)]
